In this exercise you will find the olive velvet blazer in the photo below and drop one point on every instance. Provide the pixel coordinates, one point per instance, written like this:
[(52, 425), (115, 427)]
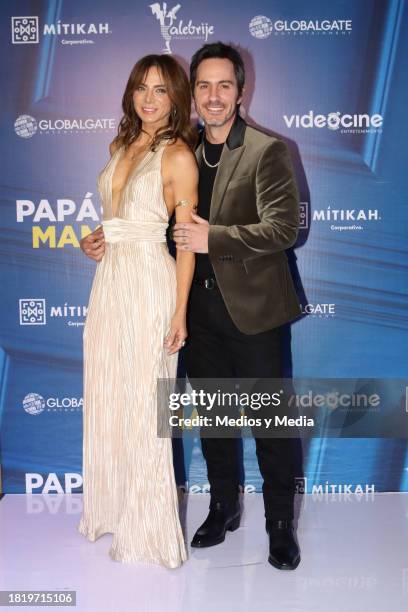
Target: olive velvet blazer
[(254, 217)]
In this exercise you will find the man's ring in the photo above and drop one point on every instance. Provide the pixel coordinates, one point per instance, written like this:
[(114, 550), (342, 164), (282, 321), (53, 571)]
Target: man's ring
[(183, 343)]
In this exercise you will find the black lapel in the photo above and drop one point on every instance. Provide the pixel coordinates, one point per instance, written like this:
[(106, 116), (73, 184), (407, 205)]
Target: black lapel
[(230, 156)]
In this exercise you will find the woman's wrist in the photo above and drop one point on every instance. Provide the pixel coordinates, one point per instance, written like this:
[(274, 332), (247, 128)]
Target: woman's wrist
[(181, 311)]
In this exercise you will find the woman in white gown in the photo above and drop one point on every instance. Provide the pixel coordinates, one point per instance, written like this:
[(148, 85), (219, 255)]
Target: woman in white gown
[(136, 321)]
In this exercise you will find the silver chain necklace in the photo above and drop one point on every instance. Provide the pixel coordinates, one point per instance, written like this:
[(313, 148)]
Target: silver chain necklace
[(205, 160)]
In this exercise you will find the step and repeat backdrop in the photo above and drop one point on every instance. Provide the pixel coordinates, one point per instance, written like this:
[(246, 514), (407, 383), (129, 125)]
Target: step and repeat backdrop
[(326, 77)]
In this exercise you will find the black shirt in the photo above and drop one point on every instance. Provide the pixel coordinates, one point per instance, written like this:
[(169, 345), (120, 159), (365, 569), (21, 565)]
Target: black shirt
[(203, 268)]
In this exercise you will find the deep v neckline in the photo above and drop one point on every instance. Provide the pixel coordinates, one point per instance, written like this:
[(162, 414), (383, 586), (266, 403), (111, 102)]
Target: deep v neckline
[(143, 162)]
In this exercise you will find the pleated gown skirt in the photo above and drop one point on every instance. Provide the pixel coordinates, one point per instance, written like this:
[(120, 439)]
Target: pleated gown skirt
[(129, 483)]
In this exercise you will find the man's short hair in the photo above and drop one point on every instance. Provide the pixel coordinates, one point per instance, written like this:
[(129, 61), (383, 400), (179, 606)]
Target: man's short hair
[(218, 50)]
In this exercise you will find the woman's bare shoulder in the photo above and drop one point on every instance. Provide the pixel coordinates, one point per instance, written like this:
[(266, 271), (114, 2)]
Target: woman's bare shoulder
[(179, 152), (114, 146)]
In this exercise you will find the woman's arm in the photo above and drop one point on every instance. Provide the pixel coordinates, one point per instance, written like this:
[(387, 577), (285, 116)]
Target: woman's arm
[(180, 177)]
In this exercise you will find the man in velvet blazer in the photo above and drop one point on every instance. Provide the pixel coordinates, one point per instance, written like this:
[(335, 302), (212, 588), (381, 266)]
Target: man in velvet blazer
[(242, 291), (253, 218)]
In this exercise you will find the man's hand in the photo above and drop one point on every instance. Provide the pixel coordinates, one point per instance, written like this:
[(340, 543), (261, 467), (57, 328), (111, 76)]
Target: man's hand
[(192, 236), (93, 245)]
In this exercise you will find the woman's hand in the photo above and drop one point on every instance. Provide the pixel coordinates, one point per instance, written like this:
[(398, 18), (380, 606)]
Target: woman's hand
[(93, 245), (175, 339)]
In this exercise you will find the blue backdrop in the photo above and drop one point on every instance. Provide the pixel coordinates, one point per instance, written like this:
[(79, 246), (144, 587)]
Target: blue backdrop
[(326, 76)]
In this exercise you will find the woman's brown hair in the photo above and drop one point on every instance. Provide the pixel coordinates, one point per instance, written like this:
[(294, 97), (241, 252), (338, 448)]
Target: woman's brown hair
[(178, 89)]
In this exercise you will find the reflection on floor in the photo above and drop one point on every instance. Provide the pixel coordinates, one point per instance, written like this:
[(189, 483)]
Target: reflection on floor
[(354, 557)]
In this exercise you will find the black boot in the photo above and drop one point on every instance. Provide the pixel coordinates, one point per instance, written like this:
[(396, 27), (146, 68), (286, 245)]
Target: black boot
[(222, 517), (283, 549)]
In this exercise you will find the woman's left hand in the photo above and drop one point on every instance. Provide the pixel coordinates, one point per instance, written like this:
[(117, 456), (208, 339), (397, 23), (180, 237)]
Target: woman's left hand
[(177, 335)]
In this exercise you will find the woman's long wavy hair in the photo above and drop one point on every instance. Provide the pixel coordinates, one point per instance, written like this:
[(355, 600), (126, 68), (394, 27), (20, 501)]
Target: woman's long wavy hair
[(178, 89)]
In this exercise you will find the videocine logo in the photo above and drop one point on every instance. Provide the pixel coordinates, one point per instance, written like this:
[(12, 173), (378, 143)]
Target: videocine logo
[(336, 121), (171, 28)]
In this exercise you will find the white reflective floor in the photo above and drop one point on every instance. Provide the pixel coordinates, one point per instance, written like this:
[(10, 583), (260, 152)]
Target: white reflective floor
[(354, 558)]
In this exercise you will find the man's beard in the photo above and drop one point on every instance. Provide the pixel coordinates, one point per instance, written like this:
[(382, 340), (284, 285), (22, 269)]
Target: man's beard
[(219, 122)]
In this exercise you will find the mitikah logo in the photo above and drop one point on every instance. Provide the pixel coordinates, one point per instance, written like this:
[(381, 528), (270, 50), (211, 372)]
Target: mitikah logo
[(26, 126), (32, 311), (26, 30), (301, 486), (331, 214), (172, 28), (262, 27)]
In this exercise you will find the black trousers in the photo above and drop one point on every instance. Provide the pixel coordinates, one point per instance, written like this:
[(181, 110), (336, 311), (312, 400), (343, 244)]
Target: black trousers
[(217, 349)]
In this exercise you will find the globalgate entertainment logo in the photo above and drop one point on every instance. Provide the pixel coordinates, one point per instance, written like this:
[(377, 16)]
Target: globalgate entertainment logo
[(26, 30), (27, 126), (173, 28), (262, 26), (35, 404), (320, 310)]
